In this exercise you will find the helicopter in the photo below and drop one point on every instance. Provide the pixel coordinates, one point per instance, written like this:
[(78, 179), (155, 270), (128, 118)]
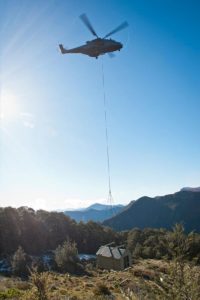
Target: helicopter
[(98, 46)]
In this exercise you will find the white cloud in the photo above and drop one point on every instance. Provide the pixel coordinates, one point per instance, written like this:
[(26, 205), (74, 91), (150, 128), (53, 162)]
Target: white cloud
[(29, 124), (40, 203), (26, 115), (72, 203), (28, 119)]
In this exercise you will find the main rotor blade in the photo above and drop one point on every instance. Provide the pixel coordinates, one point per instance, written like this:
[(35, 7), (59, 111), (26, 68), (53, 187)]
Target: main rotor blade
[(86, 21), (120, 27)]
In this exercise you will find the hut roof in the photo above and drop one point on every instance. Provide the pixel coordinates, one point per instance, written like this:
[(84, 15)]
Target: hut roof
[(108, 251)]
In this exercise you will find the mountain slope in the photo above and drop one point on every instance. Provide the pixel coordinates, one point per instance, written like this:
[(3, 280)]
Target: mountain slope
[(99, 206), (99, 214), (164, 211), (191, 189)]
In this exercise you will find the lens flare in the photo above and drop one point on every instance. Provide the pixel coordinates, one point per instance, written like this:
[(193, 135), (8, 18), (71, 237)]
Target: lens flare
[(8, 106)]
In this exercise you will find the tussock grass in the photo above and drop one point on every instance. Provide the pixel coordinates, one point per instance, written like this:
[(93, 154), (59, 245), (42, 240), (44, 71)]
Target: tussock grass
[(146, 279)]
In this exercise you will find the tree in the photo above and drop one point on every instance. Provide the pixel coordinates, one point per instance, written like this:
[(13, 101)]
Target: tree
[(138, 250), (184, 277), (10, 230), (134, 237), (177, 241), (19, 262), (66, 257)]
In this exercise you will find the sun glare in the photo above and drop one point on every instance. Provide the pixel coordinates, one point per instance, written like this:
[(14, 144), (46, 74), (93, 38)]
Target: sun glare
[(8, 106)]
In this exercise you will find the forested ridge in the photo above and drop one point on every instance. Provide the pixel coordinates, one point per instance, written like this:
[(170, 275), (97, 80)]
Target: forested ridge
[(160, 212), (166, 263), (39, 231)]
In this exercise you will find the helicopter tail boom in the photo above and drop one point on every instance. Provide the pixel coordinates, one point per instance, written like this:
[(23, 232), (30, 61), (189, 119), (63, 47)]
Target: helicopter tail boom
[(62, 49)]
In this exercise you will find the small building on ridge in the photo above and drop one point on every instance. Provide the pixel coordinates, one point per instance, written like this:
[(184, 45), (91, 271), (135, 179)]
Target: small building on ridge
[(113, 257)]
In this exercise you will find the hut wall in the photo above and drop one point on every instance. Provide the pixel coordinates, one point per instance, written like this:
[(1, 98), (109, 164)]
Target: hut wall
[(109, 263)]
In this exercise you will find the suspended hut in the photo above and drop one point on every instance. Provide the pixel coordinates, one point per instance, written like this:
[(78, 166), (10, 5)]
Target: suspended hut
[(113, 257)]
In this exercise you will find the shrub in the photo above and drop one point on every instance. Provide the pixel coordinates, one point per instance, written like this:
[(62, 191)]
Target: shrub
[(184, 278), (10, 294), (40, 281), (101, 290), (66, 257)]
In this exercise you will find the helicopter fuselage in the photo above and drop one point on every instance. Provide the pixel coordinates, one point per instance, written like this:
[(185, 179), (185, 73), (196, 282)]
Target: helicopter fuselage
[(95, 47)]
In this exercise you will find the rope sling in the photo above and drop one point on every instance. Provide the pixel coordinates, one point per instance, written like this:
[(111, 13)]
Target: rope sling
[(110, 197)]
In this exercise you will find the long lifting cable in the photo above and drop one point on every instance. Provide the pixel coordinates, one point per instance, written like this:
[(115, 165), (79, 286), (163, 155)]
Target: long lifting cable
[(110, 198)]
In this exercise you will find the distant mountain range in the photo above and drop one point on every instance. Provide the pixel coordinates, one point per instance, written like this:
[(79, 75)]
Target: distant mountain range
[(190, 189), (163, 211), (96, 212), (99, 206)]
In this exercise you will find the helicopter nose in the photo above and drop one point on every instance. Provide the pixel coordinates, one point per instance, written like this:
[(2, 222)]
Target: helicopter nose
[(120, 45)]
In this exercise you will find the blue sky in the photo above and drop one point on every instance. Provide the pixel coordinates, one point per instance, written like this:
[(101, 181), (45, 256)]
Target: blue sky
[(52, 137)]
